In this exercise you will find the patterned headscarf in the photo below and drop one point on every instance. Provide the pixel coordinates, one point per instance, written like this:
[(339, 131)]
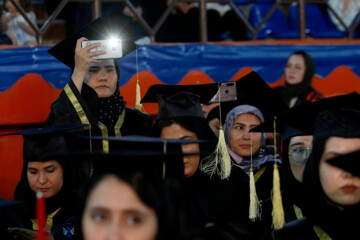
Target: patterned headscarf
[(110, 108), (262, 155)]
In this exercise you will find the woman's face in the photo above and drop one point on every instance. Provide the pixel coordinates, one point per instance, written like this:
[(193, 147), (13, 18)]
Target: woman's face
[(45, 177), (340, 186), (176, 131), (240, 141), (113, 210), (299, 151), (102, 77), (295, 69)]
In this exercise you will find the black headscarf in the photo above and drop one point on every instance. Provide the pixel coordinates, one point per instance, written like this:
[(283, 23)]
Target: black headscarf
[(292, 90), (184, 109), (110, 108), (292, 186), (317, 206), (42, 149), (196, 125)]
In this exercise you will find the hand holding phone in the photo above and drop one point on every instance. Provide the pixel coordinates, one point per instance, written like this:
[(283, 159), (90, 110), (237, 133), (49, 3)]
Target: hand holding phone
[(112, 47)]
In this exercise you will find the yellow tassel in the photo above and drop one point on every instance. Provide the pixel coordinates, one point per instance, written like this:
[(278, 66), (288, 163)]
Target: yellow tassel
[(138, 105), (219, 161), (254, 209), (278, 210)]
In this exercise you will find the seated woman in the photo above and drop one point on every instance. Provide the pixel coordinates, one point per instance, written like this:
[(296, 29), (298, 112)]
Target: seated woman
[(92, 95), (56, 179), (222, 205), (248, 150), (299, 71), (331, 195), (297, 147)]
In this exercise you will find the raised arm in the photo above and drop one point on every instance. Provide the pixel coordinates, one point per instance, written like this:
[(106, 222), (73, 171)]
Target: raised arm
[(83, 59)]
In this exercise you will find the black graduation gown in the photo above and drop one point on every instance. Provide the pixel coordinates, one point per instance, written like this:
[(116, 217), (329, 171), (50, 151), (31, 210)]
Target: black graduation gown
[(225, 204), (308, 95), (264, 186), (333, 224), (65, 224), (296, 230), (73, 107)]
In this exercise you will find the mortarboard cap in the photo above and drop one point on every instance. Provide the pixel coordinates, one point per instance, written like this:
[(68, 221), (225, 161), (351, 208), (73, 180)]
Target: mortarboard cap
[(250, 89), (253, 90), (40, 144), (205, 91), (50, 130), (149, 149), (181, 104), (302, 117), (99, 29), (184, 108), (152, 163), (348, 162)]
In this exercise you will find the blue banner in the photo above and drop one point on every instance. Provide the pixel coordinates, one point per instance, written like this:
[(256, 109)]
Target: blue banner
[(170, 63)]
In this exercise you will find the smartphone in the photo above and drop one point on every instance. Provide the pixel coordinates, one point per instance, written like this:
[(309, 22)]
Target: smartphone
[(113, 48), (226, 93)]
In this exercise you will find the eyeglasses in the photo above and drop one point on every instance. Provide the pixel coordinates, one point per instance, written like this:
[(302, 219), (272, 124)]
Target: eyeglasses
[(298, 154)]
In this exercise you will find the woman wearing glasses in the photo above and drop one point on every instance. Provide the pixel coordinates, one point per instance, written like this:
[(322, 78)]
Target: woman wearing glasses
[(331, 195), (296, 150)]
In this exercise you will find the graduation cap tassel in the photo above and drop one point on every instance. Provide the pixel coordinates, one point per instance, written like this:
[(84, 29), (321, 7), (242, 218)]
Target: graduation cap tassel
[(223, 155), (254, 209), (138, 105), (278, 210), (219, 161)]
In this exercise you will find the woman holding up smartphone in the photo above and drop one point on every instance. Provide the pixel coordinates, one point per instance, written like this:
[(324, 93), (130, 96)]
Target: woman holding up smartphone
[(92, 95)]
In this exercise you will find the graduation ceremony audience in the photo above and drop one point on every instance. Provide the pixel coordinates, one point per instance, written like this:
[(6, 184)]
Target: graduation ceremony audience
[(222, 205), (330, 194), (108, 171)]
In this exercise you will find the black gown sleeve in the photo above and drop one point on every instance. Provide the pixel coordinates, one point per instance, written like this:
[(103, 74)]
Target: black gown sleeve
[(136, 123), (73, 107)]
